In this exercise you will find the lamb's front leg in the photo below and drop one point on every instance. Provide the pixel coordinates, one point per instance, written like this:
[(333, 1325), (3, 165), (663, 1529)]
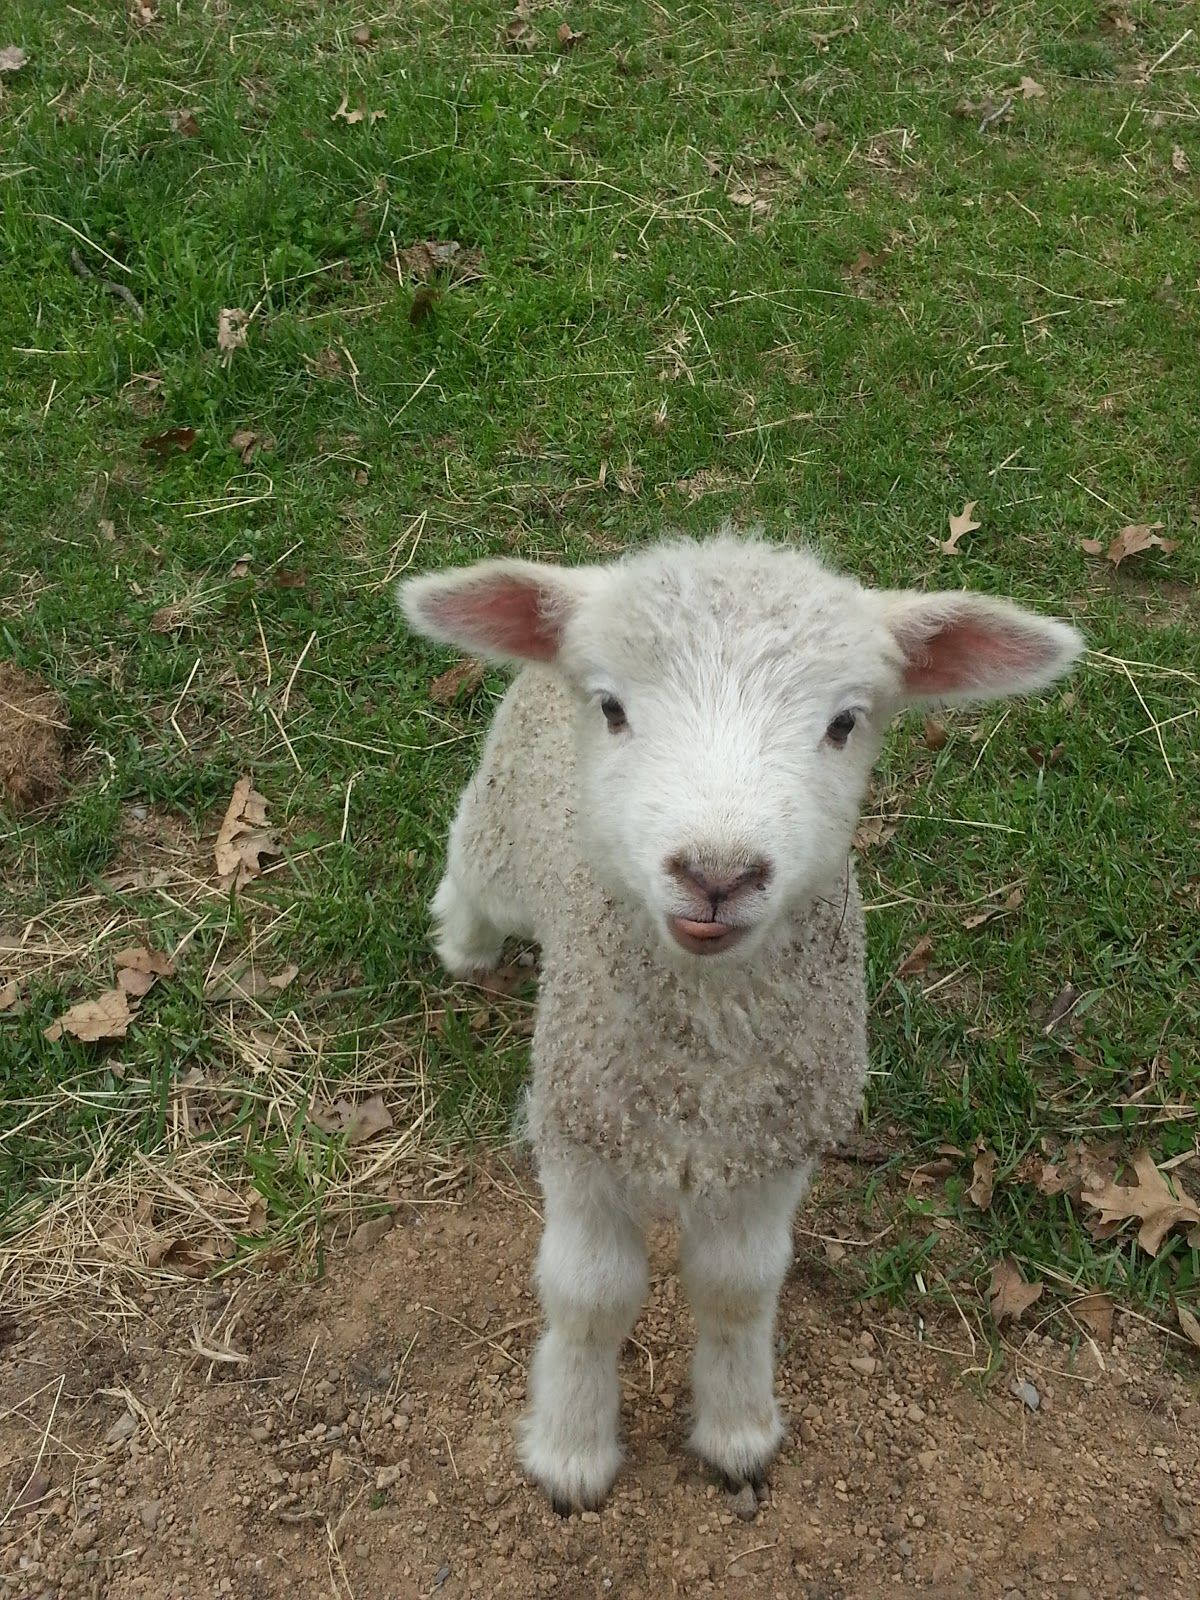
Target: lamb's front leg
[(734, 1262), (592, 1278)]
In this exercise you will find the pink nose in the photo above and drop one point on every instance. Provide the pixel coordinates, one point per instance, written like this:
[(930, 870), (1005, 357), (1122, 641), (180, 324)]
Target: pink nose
[(718, 883)]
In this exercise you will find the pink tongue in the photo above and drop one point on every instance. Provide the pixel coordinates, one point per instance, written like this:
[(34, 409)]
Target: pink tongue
[(701, 930)]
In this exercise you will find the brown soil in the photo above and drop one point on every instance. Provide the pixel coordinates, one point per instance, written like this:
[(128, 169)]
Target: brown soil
[(32, 724), (353, 1438)]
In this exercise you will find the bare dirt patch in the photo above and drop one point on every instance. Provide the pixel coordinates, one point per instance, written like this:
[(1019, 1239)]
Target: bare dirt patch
[(32, 725), (353, 1438)]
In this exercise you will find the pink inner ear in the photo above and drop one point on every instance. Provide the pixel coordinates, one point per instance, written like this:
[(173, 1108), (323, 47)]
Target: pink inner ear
[(501, 613), (973, 654)]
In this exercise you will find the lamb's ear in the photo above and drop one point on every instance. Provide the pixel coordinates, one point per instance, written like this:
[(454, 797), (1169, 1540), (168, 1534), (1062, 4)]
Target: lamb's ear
[(960, 646), (504, 610)]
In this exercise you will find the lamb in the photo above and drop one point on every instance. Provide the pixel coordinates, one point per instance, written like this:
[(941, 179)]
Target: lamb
[(665, 803)]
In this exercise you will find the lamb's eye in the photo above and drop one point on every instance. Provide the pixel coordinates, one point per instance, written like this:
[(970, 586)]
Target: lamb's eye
[(614, 713), (840, 729)]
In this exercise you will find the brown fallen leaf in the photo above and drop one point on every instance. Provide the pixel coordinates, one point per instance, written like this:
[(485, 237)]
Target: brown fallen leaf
[(1150, 1201), (872, 832), (458, 680), (244, 837), (988, 913), (917, 958), (567, 37), (247, 443), (139, 968), (242, 980), (368, 1234), (934, 735), (361, 37), (1060, 1007), (369, 1117), (184, 123), (241, 567), (947, 1161), (233, 327), (1009, 1294), (142, 13), (1030, 89), (983, 1176), (36, 1488), (358, 1121), (1095, 1311), (13, 58), (359, 114), (1179, 161), (519, 32), (106, 1017), (1190, 1324), (174, 439), (964, 522), (432, 258), (9, 995), (1130, 541)]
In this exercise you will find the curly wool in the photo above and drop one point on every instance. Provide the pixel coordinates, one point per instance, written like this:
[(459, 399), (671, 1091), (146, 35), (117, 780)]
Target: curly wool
[(683, 1082)]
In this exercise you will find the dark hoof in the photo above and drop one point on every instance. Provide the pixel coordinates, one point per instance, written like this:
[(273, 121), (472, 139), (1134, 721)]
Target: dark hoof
[(560, 1507), (731, 1485)]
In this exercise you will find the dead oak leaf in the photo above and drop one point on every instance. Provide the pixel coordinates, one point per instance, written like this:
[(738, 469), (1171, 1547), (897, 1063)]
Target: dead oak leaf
[(359, 114), (358, 1121), (233, 326), (1095, 1311), (433, 258), (1009, 1294), (184, 123), (1131, 541), (166, 444), (10, 993), (459, 680), (934, 735), (1011, 903), (244, 837), (964, 522), (243, 980), (917, 958), (138, 968), (567, 36), (1150, 1201), (1179, 161), (106, 1017), (1190, 1324), (1030, 89), (247, 443), (13, 58), (983, 1176)]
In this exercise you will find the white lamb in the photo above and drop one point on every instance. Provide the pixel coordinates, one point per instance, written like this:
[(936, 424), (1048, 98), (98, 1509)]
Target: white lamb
[(665, 803)]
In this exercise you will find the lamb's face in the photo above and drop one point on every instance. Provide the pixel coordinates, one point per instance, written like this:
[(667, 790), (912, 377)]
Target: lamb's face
[(732, 698), (728, 720)]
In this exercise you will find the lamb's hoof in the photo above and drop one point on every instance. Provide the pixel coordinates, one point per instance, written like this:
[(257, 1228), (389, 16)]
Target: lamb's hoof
[(578, 1480), (739, 1458), (756, 1482)]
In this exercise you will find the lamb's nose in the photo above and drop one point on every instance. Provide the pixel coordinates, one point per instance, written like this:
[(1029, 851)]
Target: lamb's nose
[(718, 882)]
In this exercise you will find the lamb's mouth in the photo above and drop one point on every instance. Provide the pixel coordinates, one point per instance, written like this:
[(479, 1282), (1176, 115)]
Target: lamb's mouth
[(703, 938)]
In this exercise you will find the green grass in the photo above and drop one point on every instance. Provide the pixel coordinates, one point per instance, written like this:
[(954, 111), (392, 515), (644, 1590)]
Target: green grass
[(643, 346)]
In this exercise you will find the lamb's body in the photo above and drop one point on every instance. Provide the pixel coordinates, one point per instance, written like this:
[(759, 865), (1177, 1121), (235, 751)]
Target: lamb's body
[(666, 803), (681, 1081)]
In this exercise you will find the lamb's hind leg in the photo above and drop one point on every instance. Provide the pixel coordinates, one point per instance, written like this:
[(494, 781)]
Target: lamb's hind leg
[(592, 1278), (734, 1263)]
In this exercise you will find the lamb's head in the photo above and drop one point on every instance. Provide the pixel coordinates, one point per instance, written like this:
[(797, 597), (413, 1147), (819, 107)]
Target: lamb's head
[(731, 699)]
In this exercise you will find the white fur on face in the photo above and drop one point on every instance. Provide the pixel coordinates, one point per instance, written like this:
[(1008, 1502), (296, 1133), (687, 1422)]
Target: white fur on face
[(730, 660)]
